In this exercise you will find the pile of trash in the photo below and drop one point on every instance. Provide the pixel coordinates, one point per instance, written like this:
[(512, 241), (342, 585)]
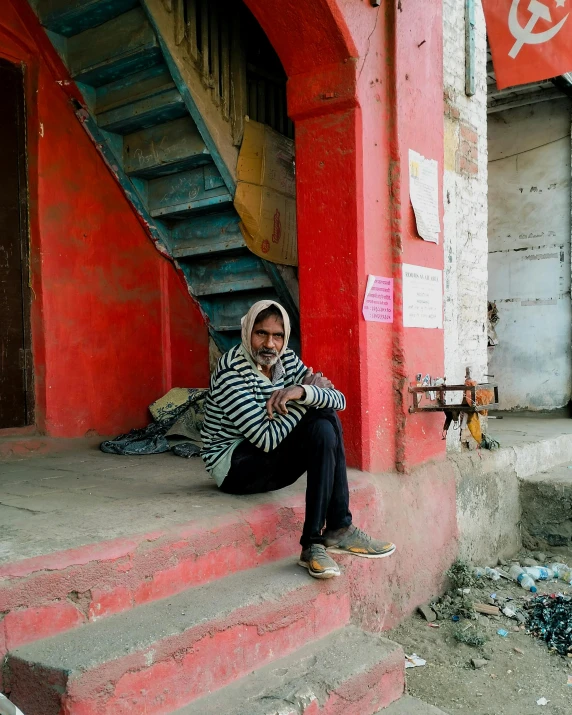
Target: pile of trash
[(550, 618)]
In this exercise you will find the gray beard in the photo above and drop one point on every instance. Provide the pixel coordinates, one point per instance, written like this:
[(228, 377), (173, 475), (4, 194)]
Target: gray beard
[(266, 360)]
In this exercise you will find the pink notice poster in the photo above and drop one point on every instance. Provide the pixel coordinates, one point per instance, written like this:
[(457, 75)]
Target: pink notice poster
[(378, 301)]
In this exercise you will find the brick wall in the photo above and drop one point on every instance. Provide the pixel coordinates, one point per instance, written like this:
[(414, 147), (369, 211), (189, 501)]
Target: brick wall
[(465, 200)]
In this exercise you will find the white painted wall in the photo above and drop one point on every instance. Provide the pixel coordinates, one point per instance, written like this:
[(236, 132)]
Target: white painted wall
[(529, 254), (465, 203)]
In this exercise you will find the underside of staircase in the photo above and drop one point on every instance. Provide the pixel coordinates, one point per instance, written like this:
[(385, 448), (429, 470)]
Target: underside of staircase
[(147, 124)]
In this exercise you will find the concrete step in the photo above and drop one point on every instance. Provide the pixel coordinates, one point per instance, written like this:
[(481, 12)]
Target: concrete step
[(51, 593), (349, 672), (411, 706), (546, 503), (163, 655)]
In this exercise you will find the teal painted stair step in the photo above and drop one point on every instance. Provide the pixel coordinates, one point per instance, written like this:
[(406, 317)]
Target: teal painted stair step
[(218, 275), (70, 18), (139, 116), (123, 45), (207, 235), (186, 192), (166, 149)]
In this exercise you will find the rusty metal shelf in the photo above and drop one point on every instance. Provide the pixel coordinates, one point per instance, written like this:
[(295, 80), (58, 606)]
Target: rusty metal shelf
[(440, 391)]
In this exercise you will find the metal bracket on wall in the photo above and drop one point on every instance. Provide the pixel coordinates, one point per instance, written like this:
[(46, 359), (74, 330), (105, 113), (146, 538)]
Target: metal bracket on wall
[(470, 51), (469, 403)]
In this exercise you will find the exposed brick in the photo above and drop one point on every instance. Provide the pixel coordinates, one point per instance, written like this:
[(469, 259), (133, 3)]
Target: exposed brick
[(473, 153), (468, 166), (469, 134), (451, 111), (465, 200), (469, 151)]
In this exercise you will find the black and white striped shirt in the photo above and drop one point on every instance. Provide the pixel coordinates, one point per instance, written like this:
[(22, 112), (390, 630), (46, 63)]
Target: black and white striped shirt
[(235, 408)]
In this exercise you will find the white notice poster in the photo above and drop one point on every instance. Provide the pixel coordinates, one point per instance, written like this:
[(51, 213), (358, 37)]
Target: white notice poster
[(422, 297), (424, 194)]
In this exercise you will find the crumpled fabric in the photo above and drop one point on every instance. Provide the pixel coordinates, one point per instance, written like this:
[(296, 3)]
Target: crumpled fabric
[(178, 417)]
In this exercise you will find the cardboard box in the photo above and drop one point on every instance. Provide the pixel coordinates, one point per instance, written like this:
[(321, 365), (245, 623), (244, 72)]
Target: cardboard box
[(265, 196)]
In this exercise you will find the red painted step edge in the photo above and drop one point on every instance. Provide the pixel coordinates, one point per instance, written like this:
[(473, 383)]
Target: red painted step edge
[(178, 669), (49, 594), (365, 693)]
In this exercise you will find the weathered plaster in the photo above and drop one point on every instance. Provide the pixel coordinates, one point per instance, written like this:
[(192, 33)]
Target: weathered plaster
[(465, 203), (529, 254)]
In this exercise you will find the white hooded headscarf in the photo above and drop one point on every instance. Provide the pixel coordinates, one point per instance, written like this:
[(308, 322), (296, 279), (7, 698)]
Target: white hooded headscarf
[(249, 320)]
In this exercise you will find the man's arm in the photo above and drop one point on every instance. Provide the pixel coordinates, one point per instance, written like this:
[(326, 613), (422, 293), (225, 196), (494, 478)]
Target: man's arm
[(233, 396), (317, 395)]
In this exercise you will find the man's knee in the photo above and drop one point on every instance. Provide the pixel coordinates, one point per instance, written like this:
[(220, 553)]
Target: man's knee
[(323, 431)]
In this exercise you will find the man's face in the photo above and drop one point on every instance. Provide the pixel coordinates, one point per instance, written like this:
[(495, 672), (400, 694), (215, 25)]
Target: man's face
[(267, 340)]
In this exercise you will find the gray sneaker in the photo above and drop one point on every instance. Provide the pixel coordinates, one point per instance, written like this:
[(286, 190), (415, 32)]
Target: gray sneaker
[(354, 541), (318, 563)]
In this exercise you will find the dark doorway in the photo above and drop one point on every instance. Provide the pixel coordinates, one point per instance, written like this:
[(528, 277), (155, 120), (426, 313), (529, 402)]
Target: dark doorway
[(16, 403)]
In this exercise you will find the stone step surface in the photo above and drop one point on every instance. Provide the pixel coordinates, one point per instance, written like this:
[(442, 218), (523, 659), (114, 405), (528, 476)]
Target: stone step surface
[(349, 672), (546, 503), (411, 706), (163, 655), (202, 536)]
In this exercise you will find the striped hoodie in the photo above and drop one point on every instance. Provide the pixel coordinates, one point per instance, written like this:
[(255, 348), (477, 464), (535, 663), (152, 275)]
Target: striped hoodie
[(235, 408)]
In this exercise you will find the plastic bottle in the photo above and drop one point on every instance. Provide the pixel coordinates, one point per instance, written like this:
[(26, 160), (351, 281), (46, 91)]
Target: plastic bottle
[(562, 572), (539, 573), (493, 574), (520, 576)]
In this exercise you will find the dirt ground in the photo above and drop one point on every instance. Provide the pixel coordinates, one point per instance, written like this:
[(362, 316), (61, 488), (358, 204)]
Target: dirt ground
[(511, 682)]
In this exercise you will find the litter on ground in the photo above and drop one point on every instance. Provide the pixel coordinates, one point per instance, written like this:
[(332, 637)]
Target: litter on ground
[(414, 661)]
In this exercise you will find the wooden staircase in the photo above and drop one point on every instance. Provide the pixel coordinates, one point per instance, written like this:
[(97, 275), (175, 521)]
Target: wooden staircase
[(164, 85)]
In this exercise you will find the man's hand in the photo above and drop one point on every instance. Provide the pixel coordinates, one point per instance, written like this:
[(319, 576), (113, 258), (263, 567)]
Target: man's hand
[(317, 379), (277, 403)]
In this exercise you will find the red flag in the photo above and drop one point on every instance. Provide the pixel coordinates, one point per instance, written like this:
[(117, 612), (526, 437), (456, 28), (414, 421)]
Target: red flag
[(531, 40)]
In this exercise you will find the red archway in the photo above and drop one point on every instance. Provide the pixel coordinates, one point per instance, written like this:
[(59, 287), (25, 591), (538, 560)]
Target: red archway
[(305, 35), (316, 49), (359, 101)]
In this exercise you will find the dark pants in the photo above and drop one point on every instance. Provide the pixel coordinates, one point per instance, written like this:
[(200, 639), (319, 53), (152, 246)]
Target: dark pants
[(315, 446)]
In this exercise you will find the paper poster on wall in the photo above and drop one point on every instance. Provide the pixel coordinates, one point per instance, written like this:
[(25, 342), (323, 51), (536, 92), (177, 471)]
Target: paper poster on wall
[(424, 195), (422, 297), (378, 300)]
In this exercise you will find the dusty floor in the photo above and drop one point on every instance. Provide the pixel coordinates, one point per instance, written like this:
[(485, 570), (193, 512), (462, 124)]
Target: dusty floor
[(515, 429), (511, 682)]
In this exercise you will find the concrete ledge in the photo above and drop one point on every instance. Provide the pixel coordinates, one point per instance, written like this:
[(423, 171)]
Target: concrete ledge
[(546, 500), (488, 487)]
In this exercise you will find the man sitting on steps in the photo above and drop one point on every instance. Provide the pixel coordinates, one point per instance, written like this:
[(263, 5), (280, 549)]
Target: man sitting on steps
[(268, 420)]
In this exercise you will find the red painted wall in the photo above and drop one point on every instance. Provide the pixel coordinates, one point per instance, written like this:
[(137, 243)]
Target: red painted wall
[(365, 85), (113, 326)]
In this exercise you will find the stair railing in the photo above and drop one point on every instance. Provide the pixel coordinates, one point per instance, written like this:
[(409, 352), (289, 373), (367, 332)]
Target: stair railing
[(210, 31)]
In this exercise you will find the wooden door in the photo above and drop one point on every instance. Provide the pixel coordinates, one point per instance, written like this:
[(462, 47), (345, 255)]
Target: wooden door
[(15, 361)]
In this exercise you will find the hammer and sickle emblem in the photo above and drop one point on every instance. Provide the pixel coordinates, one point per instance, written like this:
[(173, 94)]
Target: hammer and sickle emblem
[(526, 35)]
